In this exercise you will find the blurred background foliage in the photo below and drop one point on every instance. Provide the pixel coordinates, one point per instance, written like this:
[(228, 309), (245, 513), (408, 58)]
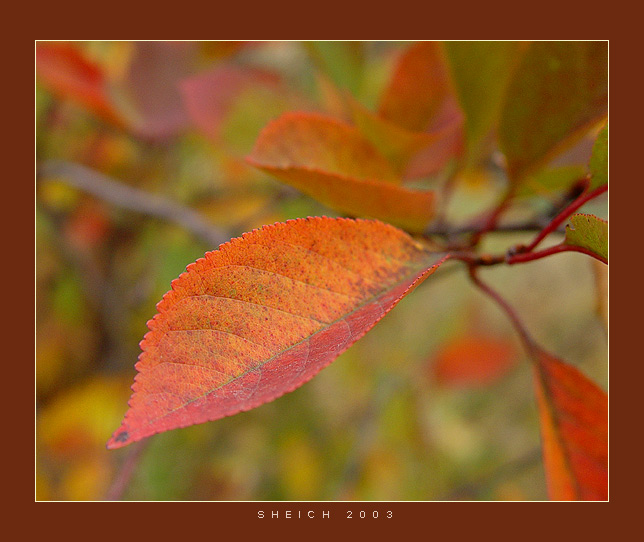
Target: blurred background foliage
[(401, 415)]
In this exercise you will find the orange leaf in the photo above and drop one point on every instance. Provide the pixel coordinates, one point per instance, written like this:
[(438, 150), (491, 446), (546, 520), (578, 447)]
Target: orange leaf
[(314, 141), (448, 125), (64, 70), (418, 88), (574, 430), (419, 125), (473, 361), (263, 314), (332, 162)]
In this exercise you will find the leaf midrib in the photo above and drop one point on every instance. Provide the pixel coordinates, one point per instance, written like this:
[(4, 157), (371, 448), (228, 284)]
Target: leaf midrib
[(423, 269)]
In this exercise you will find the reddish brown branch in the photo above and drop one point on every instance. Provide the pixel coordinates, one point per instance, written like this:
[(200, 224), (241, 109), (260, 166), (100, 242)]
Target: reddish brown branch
[(563, 216), (514, 227), (476, 260), (531, 256)]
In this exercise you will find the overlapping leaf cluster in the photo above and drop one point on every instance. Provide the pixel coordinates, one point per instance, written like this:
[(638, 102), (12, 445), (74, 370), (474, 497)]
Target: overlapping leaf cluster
[(264, 313)]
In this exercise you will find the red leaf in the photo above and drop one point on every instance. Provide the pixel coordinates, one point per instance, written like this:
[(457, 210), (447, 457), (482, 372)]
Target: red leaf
[(147, 101), (419, 125), (418, 88), (64, 70), (473, 361), (263, 314), (574, 430), (332, 162), (209, 95), (152, 86)]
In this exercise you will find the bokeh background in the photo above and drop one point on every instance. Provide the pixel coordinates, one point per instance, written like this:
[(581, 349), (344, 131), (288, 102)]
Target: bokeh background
[(435, 403)]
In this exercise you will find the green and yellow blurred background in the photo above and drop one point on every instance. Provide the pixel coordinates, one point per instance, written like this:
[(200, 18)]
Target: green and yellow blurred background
[(383, 422)]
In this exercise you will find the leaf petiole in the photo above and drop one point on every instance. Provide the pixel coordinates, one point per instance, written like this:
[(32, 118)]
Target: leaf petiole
[(584, 198)]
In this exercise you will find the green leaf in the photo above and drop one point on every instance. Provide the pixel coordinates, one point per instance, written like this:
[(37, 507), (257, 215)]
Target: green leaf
[(559, 91), (589, 232), (481, 73), (599, 160), (552, 180)]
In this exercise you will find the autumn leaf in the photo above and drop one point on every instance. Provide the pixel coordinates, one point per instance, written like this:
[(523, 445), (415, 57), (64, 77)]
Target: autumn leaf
[(448, 125), (145, 100), (314, 141), (150, 90), (331, 161), (418, 124), (589, 232), (559, 91), (574, 430), (65, 71), (263, 314), (413, 154), (473, 360), (418, 88)]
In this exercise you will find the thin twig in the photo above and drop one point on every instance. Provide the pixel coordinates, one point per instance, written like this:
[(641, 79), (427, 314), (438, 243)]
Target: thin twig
[(528, 342), (122, 480), (476, 260), (531, 256), (133, 199), (472, 259), (515, 227), (564, 214), (490, 222)]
